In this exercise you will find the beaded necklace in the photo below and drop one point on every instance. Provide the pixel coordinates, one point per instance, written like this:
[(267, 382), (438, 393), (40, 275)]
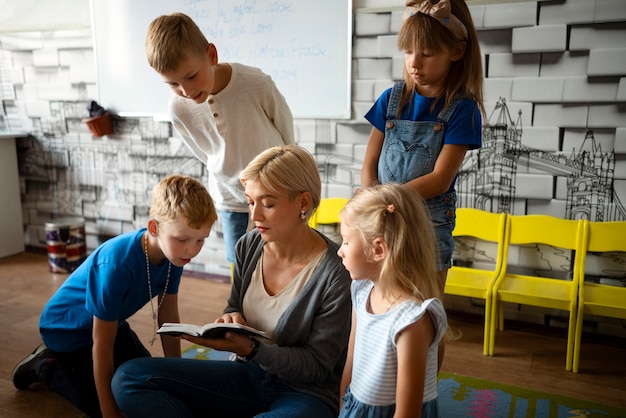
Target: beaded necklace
[(167, 282)]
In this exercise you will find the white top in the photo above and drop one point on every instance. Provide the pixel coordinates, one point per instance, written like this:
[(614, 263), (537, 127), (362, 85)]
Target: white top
[(375, 358), (263, 310), (247, 117)]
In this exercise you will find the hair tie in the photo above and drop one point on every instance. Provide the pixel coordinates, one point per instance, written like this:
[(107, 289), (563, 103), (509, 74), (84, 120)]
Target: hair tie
[(391, 208), (441, 10)]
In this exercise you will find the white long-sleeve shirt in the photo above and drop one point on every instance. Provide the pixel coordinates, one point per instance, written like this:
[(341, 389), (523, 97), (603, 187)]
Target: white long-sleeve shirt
[(245, 118)]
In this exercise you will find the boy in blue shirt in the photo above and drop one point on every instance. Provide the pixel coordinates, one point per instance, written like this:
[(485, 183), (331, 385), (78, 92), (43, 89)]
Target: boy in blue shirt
[(83, 326)]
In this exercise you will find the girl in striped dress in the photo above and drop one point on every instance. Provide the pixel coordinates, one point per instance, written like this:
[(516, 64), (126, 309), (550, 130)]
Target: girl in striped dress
[(398, 318)]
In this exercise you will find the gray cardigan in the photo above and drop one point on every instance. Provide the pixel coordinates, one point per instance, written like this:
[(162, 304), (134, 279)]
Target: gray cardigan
[(312, 334)]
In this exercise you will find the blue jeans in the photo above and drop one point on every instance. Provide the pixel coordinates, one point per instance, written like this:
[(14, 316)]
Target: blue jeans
[(442, 211), (71, 374), (173, 387), (234, 225)]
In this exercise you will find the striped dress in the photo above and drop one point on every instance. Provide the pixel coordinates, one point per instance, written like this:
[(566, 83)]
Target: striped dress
[(372, 390)]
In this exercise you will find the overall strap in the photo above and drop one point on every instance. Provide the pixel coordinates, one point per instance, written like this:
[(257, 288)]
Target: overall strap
[(394, 100), (458, 97)]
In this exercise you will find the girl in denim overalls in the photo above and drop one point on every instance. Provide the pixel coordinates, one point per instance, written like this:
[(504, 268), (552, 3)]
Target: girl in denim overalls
[(423, 126)]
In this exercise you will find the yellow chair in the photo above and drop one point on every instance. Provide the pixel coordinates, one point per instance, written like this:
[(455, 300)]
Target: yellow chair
[(595, 298), (540, 232), (471, 281), (327, 213)]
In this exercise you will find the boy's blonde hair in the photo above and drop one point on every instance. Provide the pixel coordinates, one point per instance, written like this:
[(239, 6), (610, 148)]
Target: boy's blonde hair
[(421, 31), (288, 167), (399, 216), (171, 38), (182, 198)]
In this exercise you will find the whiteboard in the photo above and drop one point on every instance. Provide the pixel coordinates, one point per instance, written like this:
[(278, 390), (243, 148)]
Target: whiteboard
[(304, 45)]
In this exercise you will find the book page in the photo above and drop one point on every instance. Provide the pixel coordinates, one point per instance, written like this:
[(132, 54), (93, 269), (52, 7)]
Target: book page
[(213, 330)]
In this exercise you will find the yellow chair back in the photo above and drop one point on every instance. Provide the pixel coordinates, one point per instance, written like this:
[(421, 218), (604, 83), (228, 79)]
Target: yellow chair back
[(541, 232), (471, 281), (327, 213)]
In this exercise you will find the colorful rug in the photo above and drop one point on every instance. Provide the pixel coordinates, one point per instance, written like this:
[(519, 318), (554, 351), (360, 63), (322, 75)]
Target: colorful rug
[(204, 353), (467, 397), (462, 396)]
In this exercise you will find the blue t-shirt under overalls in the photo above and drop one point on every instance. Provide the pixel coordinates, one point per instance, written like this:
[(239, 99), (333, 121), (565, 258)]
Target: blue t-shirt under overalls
[(413, 142)]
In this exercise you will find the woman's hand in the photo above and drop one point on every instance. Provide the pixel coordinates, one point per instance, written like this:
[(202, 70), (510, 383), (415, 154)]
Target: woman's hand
[(234, 342), (233, 317)]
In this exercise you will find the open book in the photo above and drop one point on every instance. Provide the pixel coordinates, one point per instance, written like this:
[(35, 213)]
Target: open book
[(213, 330)]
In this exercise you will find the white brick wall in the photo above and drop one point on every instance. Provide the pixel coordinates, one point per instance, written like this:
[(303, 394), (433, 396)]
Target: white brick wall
[(572, 11), (46, 58), (607, 115), (561, 62), (620, 140), (514, 65), (549, 38), (621, 90), (574, 139), (583, 89), (367, 24), (539, 90), (534, 186), (493, 41), (374, 69), (609, 11), (586, 37), (542, 138), (510, 15), (607, 61), (560, 115)]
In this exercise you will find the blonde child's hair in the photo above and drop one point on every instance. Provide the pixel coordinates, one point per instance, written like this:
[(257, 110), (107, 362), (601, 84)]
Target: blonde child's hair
[(421, 31), (182, 198), (397, 215), (287, 167), (171, 38)]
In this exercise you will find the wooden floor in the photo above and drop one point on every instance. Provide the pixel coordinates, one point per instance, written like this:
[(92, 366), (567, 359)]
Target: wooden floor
[(526, 357)]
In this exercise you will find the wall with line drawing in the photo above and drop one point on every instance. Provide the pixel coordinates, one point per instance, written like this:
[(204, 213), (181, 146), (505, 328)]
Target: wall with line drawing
[(555, 129)]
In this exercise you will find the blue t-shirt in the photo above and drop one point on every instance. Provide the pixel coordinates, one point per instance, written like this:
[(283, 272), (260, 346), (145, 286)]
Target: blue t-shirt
[(111, 284), (464, 126)]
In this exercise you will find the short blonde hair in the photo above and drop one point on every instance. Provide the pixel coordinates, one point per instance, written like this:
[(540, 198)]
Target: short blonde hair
[(288, 167), (182, 198), (171, 38)]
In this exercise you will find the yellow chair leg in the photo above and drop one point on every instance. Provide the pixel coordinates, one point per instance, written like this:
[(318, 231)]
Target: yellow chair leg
[(577, 340), (571, 331), (494, 325), (487, 330)]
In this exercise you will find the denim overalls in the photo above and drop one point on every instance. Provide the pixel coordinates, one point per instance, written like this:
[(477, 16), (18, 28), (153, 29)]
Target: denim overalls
[(410, 150)]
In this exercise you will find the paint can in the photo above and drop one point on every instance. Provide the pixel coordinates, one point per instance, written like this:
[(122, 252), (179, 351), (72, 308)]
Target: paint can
[(65, 241)]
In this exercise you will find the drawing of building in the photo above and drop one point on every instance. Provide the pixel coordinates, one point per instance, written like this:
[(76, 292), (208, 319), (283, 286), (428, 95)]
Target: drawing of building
[(487, 178)]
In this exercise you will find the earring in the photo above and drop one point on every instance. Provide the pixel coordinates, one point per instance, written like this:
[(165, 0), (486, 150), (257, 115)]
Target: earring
[(302, 215)]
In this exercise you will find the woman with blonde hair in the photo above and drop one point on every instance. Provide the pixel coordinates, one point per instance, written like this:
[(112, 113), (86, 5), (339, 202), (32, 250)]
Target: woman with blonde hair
[(288, 282)]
